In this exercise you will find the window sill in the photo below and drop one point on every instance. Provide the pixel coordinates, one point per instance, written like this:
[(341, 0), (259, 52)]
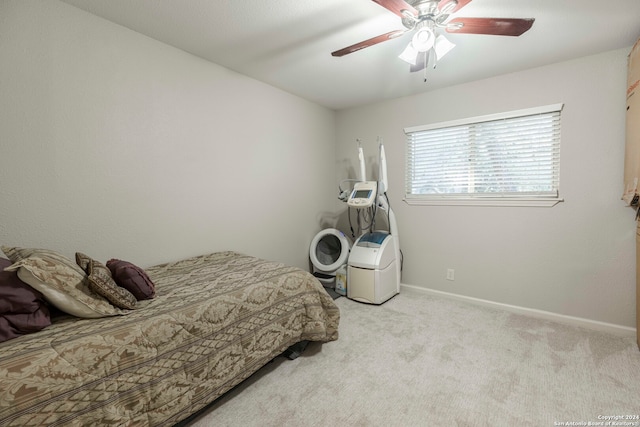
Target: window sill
[(484, 201)]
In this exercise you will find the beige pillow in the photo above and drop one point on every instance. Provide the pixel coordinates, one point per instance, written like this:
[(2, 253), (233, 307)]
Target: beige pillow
[(101, 282), (17, 254), (61, 282)]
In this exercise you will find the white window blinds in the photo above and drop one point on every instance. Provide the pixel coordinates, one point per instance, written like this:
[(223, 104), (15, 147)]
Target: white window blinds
[(510, 155)]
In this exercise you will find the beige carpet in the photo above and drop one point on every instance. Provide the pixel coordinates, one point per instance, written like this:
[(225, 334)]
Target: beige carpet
[(420, 360)]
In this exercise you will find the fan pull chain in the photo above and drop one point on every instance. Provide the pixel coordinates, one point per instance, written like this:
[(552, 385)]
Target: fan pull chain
[(426, 62), (434, 59)]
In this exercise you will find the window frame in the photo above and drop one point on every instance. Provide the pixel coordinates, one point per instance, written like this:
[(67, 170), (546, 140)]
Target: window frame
[(451, 199)]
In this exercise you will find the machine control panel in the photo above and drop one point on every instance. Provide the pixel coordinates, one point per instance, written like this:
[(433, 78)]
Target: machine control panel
[(363, 195), (372, 240)]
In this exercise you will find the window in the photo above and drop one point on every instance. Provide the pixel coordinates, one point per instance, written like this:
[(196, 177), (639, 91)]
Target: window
[(503, 159)]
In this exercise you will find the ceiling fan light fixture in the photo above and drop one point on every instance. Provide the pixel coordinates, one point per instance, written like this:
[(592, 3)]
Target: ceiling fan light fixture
[(425, 42), (423, 39), (442, 46), (409, 54)]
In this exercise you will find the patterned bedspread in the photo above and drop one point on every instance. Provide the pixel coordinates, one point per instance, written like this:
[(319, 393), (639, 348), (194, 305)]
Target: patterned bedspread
[(216, 320)]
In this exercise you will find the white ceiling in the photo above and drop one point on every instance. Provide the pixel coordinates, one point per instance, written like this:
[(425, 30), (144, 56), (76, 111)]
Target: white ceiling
[(287, 43)]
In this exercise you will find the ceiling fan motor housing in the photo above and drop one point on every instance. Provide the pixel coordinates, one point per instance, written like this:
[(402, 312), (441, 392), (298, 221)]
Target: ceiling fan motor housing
[(427, 12)]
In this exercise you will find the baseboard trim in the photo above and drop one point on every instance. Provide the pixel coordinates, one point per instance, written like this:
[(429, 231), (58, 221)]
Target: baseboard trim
[(540, 314)]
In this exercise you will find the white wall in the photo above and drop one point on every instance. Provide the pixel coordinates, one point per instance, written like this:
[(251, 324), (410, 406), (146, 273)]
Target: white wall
[(575, 259), (120, 146)]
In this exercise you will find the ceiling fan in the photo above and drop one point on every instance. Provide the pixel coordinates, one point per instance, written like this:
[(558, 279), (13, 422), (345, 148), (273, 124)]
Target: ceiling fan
[(428, 18)]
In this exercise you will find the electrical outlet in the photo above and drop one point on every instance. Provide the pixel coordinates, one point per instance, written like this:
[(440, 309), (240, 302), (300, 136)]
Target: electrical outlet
[(451, 274)]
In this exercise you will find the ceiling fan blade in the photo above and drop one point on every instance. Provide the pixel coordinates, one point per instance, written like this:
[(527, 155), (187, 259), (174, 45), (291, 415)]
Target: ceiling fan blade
[(490, 26), (397, 6), (460, 5), (370, 42)]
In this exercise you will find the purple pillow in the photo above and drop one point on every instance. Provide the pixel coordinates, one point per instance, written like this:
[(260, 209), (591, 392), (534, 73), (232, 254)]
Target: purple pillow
[(13, 325), (22, 309), (132, 278)]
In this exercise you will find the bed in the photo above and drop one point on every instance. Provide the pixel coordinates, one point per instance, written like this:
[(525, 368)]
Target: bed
[(215, 319)]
